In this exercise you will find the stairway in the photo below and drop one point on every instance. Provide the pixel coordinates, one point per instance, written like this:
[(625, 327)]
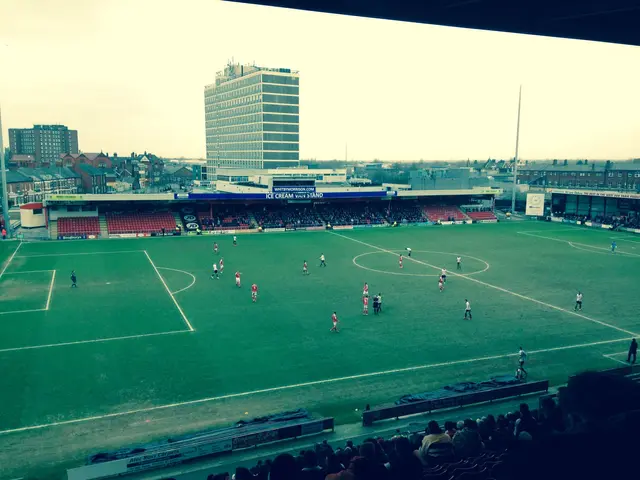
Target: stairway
[(53, 229), (178, 220), (104, 231)]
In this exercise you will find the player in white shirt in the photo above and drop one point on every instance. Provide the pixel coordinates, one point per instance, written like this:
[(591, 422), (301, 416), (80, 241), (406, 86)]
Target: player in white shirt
[(458, 263), (521, 373), (323, 263), (578, 302), (215, 272), (235, 241), (467, 309), (444, 275), (408, 252)]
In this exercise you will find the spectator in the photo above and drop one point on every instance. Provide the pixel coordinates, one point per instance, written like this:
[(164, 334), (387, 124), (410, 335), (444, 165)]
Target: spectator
[(311, 470), (467, 442), (450, 428), (434, 435), (283, 468), (525, 423), (402, 463), (333, 464), (242, 474)]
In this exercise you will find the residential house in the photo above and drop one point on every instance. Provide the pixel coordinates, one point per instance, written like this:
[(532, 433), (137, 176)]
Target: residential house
[(48, 181), (94, 180), (21, 161), (178, 175), (18, 185), (622, 176), (96, 160)]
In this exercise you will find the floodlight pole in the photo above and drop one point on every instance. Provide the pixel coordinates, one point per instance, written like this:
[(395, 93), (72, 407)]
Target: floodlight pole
[(515, 160), (5, 190)]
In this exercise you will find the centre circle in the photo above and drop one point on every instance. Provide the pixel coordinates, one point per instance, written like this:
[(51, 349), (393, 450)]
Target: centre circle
[(403, 252)]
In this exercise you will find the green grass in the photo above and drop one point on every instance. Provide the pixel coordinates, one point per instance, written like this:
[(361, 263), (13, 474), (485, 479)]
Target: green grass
[(239, 347)]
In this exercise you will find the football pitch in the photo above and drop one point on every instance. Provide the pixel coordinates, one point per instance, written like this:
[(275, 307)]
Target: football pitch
[(149, 341)]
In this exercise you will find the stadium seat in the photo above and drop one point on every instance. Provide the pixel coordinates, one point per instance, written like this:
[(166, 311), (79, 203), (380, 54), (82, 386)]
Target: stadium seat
[(481, 215), (444, 213), (78, 226), (140, 222)]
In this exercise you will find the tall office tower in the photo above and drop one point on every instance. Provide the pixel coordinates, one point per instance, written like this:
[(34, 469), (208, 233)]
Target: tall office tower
[(252, 118), (45, 142)]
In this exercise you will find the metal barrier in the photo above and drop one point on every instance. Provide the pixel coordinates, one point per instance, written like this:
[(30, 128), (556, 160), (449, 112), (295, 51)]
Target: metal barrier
[(428, 406)]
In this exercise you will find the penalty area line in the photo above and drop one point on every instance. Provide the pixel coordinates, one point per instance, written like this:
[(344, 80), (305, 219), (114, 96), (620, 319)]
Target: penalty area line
[(495, 287), (13, 255), (302, 385)]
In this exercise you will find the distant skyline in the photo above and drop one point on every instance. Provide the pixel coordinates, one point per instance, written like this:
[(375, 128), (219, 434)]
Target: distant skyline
[(130, 76)]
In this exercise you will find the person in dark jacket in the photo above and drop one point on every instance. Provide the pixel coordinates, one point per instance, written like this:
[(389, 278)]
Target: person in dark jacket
[(633, 350)]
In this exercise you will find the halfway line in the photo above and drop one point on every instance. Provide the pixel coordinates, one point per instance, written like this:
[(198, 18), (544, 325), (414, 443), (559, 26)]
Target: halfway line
[(495, 287), (184, 317), (300, 385)]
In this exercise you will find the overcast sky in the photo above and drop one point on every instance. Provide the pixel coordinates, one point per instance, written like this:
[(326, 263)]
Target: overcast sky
[(129, 75)]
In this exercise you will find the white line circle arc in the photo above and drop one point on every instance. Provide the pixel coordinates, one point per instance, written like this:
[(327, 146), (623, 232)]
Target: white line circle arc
[(355, 262), (181, 271)]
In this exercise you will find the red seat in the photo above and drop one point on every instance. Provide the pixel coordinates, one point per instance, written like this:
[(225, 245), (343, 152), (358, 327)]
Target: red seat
[(78, 226)]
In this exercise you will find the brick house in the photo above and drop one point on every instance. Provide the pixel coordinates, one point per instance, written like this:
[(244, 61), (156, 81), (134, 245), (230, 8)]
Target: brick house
[(45, 181), (96, 160), (94, 180), (17, 186), (609, 176)]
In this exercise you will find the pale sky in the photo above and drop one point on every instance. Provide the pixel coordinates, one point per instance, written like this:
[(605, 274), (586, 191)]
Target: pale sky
[(130, 74)]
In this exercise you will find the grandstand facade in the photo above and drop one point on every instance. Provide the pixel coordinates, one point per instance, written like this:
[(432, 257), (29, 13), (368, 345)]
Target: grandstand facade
[(252, 118)]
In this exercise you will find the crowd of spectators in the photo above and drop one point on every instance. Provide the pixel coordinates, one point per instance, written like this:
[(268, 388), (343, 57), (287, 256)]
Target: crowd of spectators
[(411, 213), (353, 214), (287, 217), (630, 220), (589, 432), (225, 218)]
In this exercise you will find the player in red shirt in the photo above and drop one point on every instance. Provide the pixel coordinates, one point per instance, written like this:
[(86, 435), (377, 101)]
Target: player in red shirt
[(221, 264), (215, 248), (441, 284), (400, 261), (365, 305), (254, 292), (305, 268), (237, 279), (365, 290), (334, 319)]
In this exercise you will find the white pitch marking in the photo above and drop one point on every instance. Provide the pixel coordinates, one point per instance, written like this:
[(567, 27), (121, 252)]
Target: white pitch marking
[(78, 253), (304, 384), (181, 271), (6, 265), (495, 287), (574, 244), (53, 279), (184, 317), (487, 266), (81, 342), (29, 271), (615, 359), (24, 311)]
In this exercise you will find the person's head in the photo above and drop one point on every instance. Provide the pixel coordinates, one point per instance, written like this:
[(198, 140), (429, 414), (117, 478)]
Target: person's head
[(402, 446), (470, 424), (310, 459), (242, 474), (283, 467), (491, 420), (524, 410), (460, 425), (449, 425), (368, 450), (433, 428)]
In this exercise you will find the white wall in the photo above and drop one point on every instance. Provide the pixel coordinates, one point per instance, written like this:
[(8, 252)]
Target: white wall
[(62, 212), (29, 220)]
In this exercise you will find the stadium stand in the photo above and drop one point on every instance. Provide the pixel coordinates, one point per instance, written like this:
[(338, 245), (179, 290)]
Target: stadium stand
[(353, 214), (486, 215), (412, 213), (78, 226), (444, 213), (586, 431), (230, 218), (287, 217), (140, 222)]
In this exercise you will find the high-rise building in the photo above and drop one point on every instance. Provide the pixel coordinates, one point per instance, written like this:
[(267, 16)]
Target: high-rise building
[(252, 118), (45, 142)]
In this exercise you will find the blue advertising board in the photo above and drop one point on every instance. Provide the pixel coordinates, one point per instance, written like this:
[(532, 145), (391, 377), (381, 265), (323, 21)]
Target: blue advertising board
[(288, 195)]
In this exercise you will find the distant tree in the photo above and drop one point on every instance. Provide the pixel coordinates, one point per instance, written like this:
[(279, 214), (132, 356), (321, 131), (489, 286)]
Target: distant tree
[(475, 163), (555, 161), (468, 162), (7, 154), (579, 162), (586, 162), (566, 162)]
